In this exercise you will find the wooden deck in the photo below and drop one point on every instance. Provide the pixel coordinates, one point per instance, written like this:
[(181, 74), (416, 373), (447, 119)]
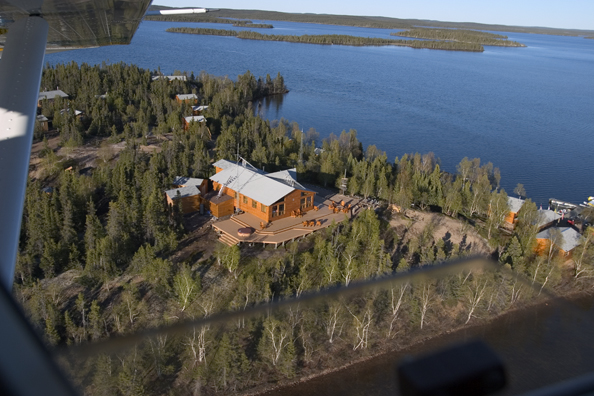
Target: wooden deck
[(283, 230)]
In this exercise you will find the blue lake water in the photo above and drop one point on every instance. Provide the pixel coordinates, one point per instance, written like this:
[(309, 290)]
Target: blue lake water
[(529, 111)]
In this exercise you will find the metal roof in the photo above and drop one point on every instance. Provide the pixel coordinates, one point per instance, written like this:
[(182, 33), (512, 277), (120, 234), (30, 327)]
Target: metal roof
[(187, 181), (288, 177), (199, 108), (571, 238), (194, 119), (223, 164), (251, 183), (547, 216), (42, 118), (52, 94), (188, 191), (170, 78), (514, 204), (186, 96)]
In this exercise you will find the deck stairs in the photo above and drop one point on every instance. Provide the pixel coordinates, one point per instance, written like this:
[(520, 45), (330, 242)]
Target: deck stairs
[(228, 240)]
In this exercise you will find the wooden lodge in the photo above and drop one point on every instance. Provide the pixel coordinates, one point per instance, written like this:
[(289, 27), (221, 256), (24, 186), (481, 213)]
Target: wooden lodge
[(186, 98), (268, 196)]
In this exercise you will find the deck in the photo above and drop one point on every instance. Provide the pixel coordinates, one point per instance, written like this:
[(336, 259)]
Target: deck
[(288, 229)]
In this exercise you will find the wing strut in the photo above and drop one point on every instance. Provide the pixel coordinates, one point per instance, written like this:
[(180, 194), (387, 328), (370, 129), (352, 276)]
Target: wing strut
[(20, 78)]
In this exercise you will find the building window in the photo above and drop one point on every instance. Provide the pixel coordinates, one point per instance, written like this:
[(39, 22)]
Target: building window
[(303, 203), (263, 208), (303, 194), (245, 201), (308, 202), (281, 209), (255, 204), (236, 196)]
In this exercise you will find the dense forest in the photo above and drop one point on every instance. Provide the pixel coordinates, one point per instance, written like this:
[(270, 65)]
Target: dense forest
[(377, 22), (334, 39), (102, 254), (467, 36)]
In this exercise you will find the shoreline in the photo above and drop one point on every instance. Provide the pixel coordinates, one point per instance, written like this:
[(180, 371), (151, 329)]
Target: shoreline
[(272, 389)]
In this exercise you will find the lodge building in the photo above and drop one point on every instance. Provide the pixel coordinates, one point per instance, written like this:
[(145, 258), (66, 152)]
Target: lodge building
[(268, 196)]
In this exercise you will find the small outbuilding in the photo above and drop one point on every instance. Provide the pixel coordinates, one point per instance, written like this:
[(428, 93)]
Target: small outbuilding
[(515, 204), (43, 122), (189, 196)]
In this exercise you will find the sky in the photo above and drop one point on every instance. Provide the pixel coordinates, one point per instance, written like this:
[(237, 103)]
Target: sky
[(569, 14)]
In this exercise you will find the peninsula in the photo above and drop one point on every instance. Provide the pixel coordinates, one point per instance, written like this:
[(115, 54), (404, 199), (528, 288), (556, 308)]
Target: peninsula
[(113, 241)]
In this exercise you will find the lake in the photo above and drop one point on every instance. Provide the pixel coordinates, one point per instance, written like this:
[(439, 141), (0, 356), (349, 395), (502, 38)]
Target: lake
[(529, 111)]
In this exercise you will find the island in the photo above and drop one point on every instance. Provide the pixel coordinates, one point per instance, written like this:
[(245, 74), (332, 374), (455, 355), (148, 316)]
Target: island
[(335, 39), (459, 35)]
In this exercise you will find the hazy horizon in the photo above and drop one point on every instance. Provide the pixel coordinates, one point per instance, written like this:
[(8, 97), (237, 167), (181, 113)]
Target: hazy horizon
[(572, 14)]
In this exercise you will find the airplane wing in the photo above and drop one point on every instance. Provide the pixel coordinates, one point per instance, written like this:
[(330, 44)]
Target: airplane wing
[(79, 23)]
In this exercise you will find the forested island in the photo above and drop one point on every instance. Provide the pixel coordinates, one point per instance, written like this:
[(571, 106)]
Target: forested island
[(334, 39), (371, 22), (102, 254), (462, 35)]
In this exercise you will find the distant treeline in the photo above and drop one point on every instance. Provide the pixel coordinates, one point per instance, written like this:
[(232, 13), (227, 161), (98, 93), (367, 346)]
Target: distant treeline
[(343, 20), (590, 37), (377, 22), (463, 35), (207, 19), (334, 39)]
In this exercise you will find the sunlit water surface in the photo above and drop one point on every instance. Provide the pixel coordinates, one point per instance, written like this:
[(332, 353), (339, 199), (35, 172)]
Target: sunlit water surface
[(529, 111)]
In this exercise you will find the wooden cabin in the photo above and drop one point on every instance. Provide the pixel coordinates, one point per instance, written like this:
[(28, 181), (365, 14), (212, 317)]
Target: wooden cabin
[(571, 239), (198, 110), (43, 122), (190, 191), (169, 78), (186, 98), (184, 181), (268, 196), (190, 198), (515, 204), (51, 96), (186, 121)]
